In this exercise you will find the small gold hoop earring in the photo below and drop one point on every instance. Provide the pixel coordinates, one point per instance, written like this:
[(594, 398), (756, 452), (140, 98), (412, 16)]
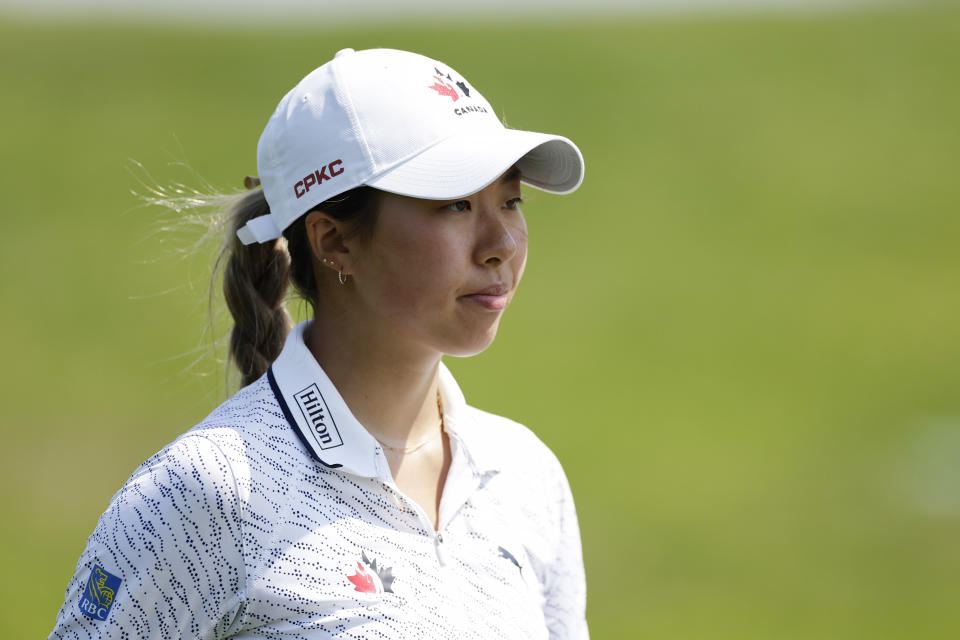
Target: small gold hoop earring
[(341, 278)]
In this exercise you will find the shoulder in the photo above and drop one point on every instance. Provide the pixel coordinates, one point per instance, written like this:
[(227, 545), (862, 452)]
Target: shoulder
[(251, 433), (210, 448), (506, 429), (252, 410), (171, 543), (513, 446), (242, 450), (190, 478), (220, 480)]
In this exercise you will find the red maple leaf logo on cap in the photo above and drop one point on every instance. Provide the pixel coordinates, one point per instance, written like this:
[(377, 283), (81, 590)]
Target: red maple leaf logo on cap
[(444, 89)]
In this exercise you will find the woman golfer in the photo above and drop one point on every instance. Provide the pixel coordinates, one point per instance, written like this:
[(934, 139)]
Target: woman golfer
[(348, 490)]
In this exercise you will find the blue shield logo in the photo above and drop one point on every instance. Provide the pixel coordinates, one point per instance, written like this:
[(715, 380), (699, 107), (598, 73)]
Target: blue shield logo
[(98, 596)]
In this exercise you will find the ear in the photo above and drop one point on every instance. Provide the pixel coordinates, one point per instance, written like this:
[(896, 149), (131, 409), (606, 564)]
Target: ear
[(326, 235)]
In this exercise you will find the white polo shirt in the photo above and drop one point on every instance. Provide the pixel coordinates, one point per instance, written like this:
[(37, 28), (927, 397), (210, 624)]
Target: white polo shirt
[(278, 517)]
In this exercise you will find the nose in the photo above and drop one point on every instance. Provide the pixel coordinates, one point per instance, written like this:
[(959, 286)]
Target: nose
[(497, 241)]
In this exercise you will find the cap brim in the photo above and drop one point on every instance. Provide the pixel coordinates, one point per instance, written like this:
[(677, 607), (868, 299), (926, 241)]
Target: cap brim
[(464, 164)]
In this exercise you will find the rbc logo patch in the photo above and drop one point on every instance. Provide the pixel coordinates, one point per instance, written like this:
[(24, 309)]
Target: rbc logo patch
[(98, 596)]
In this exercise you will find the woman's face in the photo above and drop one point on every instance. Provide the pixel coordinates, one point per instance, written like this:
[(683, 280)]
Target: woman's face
[(441, 273)]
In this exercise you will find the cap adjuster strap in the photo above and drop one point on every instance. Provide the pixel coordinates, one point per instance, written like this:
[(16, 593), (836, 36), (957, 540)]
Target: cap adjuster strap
[(260, 229)]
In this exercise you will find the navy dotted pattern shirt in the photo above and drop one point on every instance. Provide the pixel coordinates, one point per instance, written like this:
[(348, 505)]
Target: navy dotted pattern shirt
[(277, 517)]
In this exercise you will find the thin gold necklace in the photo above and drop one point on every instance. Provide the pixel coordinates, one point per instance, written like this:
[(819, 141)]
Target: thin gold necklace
[(416, 447)]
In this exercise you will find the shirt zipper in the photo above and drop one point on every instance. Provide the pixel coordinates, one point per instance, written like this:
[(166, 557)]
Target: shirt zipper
[(438, 545)]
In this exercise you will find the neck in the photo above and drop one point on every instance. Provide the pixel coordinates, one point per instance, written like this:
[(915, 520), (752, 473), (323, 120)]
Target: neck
[(391, 391)]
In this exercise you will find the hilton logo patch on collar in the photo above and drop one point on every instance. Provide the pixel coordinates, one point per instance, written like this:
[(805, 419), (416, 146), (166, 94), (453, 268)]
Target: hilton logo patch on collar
[(317, 414), (97, 598)]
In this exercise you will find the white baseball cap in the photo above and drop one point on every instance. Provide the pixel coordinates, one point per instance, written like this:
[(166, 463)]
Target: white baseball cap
[(399, 122)]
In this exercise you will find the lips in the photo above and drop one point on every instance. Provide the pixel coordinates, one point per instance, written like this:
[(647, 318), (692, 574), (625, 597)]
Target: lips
[(492, 298)]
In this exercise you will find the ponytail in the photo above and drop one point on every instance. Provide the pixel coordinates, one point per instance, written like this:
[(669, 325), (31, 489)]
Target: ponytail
[(257, 277), (255, 282)]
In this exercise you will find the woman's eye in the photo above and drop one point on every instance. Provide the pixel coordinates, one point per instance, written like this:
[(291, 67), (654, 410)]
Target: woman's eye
[(462, 205), (513, 203)]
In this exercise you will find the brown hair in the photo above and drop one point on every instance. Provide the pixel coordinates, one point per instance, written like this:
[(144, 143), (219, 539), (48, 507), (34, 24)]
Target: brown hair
[(256, 277)]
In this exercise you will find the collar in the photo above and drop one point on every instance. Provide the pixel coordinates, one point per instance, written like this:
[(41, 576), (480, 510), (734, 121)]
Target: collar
[(335, 438)]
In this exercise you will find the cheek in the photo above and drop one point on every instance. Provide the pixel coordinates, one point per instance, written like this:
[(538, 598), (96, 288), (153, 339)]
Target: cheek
[(521, 264), (415, 270), (519, 259)]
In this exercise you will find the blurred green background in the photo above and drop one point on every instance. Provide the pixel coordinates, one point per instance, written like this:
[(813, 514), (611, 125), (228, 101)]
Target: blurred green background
[(740, 336)]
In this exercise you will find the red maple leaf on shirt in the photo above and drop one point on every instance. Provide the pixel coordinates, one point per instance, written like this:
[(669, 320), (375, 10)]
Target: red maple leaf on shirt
[(362, 580), (444, 89), (371, 578)]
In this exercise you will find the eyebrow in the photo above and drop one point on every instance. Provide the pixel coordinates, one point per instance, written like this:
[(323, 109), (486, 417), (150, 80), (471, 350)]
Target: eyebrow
[(510, 176)]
